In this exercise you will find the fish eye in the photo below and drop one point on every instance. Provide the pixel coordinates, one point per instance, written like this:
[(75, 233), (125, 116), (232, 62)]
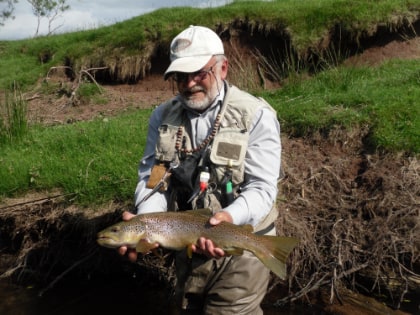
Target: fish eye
[(115, 229)]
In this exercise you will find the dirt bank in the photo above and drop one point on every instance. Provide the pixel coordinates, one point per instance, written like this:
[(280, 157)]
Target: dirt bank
[(357, 213)]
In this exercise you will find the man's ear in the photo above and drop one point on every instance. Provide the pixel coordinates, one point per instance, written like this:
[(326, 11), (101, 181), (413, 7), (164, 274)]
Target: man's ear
[(224, 69)]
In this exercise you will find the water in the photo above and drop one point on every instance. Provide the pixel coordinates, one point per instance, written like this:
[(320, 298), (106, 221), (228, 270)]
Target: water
[(88, 298), (135, 293), (83, 299)]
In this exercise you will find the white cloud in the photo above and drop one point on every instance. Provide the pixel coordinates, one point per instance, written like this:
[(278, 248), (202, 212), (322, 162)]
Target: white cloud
[(77, 20), (87, 14)]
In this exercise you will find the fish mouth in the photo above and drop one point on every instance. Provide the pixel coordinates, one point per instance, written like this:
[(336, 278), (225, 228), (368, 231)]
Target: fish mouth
[(102, 239), (110, 242), (106, 241)]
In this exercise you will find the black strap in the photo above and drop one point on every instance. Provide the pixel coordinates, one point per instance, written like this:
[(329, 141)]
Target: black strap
[(266, 229)]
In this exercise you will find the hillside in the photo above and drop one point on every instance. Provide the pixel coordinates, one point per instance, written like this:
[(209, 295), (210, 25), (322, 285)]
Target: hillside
[(152, 89), (355, 209)]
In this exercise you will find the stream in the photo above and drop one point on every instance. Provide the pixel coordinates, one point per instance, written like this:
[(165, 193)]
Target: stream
[(121, 293), (99, 298)]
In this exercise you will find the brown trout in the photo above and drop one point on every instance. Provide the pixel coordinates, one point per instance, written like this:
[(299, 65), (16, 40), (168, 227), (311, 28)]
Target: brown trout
[(179, 230)]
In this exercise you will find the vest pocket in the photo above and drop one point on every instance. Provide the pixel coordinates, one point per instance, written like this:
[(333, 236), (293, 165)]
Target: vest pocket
[(228, 153), (165, 146), (229, 147)]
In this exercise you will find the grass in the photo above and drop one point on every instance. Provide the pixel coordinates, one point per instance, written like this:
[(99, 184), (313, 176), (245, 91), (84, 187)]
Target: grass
[(384, 98), (306, 21), (13, 121), (97, 161)]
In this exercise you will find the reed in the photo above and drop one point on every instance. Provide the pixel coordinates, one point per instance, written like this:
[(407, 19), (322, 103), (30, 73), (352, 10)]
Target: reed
[(13, 121)]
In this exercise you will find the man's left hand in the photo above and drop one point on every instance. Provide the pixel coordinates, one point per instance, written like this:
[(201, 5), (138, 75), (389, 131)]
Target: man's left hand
[(206, 246)]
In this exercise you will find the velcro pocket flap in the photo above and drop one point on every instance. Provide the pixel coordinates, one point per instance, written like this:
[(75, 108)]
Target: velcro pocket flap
[(229, 147)]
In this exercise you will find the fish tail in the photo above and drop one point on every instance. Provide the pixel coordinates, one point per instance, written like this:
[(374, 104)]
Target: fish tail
[(273, 252)]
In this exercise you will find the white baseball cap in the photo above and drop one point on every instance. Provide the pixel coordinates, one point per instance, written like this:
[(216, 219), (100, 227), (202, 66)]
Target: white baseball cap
[(192, 49)]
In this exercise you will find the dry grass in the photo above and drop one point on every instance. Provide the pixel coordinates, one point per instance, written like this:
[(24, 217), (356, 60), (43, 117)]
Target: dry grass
[(359, 225)]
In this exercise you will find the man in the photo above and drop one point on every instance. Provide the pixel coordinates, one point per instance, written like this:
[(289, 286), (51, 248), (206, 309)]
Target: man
[(212, 146)]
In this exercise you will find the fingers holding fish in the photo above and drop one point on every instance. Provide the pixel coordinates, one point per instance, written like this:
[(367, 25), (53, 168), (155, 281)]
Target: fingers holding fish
[(127, 216), (219, 217), (130, 252), (207, 247)]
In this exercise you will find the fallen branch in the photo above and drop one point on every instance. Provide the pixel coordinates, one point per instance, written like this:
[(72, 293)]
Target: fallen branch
[(44, 199), (56, 68), (72, 92), (91, 76), (59, 277), (73, 97)]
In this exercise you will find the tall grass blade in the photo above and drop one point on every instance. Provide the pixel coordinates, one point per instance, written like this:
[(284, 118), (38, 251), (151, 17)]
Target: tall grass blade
[(13, 120)]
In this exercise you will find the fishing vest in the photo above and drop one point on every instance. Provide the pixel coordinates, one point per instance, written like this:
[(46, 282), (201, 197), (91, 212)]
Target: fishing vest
[(223, 154)]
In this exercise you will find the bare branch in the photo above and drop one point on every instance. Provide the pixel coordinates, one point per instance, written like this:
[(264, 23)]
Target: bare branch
[(49, 9), (7, 12)]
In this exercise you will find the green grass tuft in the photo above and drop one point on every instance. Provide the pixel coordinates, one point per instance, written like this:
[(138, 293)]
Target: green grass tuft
[(96, 160), (13, 122), (385, 98)]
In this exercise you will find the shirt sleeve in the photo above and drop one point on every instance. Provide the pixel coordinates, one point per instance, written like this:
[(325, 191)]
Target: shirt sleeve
[(262, 169), (158, 201)]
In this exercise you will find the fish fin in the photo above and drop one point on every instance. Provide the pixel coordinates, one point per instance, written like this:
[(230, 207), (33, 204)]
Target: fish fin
[(144, 246), (274, 251), (189, 251), (234, 251)]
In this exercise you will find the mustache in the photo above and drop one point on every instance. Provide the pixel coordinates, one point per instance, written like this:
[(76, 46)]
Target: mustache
[(195, 89)]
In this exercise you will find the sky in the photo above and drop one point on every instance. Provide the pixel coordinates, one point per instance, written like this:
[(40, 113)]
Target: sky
[(87, 14)]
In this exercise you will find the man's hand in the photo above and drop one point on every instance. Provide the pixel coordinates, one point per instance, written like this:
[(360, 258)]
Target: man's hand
[(131, 252), (206, 246)]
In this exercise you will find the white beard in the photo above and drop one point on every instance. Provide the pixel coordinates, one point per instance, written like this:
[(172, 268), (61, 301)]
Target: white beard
[(199, 105), (208, 99)]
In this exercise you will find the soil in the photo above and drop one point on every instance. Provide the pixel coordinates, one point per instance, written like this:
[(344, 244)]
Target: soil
[(153, 90), (333, 186)]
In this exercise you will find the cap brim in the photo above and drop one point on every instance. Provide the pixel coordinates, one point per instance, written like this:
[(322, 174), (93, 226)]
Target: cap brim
[(187, 64)]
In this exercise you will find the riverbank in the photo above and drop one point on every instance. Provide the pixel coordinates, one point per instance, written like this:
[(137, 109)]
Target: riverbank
[(356, 212)]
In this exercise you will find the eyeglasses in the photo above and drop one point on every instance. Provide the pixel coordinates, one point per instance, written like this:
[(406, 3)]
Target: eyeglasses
[(197, 76)]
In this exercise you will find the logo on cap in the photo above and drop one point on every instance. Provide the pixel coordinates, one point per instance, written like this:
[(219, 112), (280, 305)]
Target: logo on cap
[(180, 44)]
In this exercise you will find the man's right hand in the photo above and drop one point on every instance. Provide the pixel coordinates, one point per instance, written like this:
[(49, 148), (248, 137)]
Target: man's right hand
[(131, 252)]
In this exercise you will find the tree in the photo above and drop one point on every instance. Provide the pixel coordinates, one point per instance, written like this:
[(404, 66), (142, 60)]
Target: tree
[(6, 10), (49, 9)]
